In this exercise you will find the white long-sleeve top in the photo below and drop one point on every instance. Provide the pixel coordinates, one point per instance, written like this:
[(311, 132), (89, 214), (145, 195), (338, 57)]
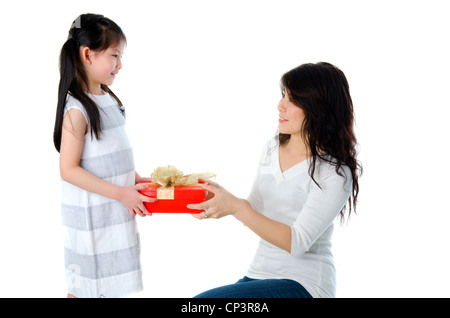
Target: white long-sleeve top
[(293, 198)]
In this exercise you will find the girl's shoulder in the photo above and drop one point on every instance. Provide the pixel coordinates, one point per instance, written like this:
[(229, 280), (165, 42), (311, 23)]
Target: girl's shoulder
[(72, 102)]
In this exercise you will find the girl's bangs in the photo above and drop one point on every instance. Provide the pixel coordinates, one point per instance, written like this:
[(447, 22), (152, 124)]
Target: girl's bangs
[(112, 38)]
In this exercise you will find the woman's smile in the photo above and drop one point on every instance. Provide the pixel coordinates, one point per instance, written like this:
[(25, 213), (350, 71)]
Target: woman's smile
[(282, 120)]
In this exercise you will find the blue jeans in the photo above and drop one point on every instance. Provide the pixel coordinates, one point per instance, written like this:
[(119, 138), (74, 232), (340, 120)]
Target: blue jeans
[(258, 288)]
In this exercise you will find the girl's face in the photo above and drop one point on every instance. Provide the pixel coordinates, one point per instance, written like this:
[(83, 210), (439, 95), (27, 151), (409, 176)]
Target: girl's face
[(291, 116), (105, 65)]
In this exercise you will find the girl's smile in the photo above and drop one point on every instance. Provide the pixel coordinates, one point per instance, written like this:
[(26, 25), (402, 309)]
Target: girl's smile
[(103, 67)]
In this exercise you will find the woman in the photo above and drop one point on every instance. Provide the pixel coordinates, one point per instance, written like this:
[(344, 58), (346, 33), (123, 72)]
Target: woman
[(307, 174)]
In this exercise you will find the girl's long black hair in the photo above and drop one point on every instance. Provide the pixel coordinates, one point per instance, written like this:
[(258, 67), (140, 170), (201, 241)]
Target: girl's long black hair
[(98, 33), (321, 90)]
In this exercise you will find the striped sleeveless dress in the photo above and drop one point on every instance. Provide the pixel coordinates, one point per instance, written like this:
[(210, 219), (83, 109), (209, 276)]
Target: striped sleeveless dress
[(101, 240)]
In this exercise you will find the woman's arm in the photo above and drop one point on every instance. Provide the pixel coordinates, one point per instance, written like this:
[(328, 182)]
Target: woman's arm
[(321, 208), (224, 203), (72, 141), (274, 232), (319, 211)]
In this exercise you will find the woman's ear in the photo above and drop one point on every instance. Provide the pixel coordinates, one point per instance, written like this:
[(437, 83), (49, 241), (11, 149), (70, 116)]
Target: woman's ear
[(85, 54)]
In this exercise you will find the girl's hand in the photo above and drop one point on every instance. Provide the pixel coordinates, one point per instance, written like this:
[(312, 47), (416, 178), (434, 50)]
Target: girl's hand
[(134, 201), (221, 203)]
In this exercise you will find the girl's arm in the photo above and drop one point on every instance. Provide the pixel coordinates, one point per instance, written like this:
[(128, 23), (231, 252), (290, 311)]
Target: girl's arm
[(72, 141), (138, 178), (224, 203)]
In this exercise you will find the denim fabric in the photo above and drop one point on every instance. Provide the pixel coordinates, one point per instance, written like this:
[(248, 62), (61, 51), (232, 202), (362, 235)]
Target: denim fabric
[(258, 288)]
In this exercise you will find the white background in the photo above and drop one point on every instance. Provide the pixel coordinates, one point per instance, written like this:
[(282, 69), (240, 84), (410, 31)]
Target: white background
[(200, 80)]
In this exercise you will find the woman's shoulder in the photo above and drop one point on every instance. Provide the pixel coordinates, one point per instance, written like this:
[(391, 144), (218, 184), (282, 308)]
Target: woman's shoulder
[(328, 170), (268, 150), (271, 144)]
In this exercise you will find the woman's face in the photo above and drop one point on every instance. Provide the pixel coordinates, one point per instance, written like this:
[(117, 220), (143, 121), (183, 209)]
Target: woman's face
[(291, 116)]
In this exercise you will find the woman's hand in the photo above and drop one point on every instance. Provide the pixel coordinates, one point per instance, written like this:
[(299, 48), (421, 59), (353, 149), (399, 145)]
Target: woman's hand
[(220, 203), (133, 200), (223, 203)]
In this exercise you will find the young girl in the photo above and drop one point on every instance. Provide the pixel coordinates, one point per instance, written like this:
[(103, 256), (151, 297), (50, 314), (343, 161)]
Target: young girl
[(99, 195), (305, 177)]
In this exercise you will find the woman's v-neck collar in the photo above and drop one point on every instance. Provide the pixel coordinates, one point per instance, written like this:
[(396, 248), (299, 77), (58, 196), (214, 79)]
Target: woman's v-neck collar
[(296, 169)]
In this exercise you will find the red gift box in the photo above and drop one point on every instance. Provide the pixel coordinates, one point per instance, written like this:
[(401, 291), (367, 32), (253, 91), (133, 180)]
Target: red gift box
[(173, 199)]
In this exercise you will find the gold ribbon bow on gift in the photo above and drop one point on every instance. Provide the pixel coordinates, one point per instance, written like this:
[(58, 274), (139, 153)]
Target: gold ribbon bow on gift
[(169, 177)]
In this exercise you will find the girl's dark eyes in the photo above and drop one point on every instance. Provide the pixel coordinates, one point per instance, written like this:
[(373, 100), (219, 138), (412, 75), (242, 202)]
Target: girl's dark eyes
[(115, 55)]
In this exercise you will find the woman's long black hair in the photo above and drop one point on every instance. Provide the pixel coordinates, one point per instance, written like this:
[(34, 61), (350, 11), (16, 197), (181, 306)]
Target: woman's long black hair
[(321, 90), (98, 33)]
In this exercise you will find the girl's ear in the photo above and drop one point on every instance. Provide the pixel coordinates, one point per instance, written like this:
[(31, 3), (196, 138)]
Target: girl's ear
[(85, 54)]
